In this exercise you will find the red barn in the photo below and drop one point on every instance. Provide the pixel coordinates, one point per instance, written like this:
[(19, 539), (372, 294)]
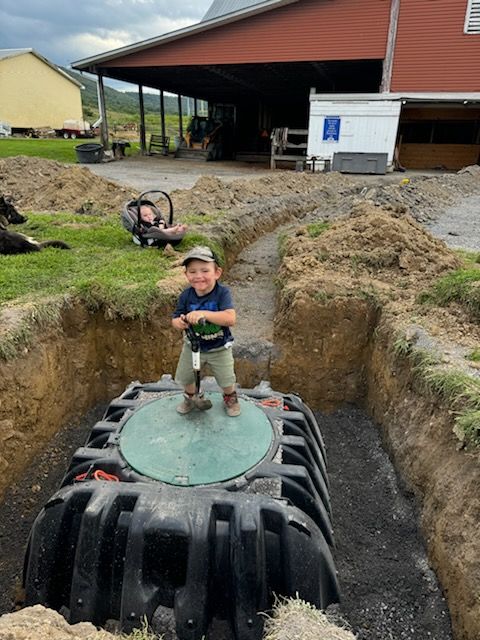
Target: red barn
[(258, 60)]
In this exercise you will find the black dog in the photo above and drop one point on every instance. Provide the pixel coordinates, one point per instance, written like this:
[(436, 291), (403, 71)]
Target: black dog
[(8, 211), (12, 242)]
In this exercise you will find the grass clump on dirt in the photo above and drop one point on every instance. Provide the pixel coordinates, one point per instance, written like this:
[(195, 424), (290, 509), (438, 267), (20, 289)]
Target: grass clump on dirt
[(317, 228), (474, 355), (103, 268), (457, 388), (461, 286), (293, 619)]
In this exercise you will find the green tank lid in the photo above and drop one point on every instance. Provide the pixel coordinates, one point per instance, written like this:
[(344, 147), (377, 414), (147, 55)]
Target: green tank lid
[(202, 447)]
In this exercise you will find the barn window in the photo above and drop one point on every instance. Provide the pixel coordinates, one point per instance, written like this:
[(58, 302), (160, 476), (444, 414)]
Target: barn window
[(472, 19)]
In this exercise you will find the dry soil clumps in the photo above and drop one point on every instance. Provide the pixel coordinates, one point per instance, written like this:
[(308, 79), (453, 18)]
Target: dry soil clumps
[(372, 248), (46, 185)]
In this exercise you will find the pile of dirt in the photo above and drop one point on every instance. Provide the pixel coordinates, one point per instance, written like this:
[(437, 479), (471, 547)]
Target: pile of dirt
[(423, 197), (373, 247), (45, 624), (389, 259), (210, 194), (46, 185)]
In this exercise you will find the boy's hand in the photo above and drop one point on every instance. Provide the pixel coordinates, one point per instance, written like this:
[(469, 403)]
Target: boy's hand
[(180, 323), (194, 317)]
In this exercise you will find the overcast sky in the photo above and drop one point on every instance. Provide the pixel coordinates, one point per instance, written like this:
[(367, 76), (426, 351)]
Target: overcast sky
[(65, 31)]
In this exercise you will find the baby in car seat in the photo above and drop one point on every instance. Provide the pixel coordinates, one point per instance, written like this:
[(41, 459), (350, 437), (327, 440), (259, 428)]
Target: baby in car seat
[(148, 219)]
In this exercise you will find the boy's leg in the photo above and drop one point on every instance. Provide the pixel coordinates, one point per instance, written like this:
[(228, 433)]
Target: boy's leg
[(222, 364), (185, 376)]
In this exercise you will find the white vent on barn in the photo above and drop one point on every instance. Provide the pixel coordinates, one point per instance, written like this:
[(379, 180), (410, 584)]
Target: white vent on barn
[(472, 19)]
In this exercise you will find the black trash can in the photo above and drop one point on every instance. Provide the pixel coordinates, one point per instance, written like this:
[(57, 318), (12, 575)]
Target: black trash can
[(89, 153)]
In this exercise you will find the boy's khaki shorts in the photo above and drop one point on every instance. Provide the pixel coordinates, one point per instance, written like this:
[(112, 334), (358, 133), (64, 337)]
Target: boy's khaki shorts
[(220, 361)]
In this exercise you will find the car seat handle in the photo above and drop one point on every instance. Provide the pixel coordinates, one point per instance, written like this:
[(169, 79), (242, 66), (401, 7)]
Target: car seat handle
[(170, 204)]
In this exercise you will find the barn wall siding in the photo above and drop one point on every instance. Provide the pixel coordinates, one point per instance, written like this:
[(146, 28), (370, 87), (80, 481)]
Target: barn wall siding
[(432, 52), (308, 30)]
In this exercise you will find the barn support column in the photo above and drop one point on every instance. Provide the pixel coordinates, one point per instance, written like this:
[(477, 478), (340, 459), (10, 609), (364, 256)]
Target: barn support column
[(392, 36), (103, 111), (162, 120), (195, 107), (180, 117), (143, 144)]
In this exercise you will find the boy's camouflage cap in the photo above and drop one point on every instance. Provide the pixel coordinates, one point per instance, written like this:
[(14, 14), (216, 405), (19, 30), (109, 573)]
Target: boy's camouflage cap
[(200, 253)]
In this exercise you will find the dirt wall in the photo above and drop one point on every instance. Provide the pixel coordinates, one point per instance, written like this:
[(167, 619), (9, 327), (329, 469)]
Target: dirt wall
[(70, 368)]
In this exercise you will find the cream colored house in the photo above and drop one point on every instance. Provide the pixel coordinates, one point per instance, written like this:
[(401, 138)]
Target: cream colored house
[(35, 93)]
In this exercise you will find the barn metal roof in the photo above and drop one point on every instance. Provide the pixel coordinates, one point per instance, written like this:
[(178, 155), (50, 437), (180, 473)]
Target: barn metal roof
[(220, 8), (12, 53)]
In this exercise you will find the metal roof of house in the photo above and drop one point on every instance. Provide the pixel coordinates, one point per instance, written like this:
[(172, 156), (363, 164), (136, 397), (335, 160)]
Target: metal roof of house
[(12, 53), (220, 8)]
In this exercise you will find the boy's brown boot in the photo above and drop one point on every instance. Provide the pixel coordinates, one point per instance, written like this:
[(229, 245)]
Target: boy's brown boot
[(231, 404), (187, 405), (201, 402)]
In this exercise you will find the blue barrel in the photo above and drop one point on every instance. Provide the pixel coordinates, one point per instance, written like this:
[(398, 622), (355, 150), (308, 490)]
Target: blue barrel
[(89, 153)]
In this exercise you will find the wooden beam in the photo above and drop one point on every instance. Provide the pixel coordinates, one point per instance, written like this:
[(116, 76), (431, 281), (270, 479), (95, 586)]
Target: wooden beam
[(390, 52), (162, 117), (143, 142), (103, 112), (180, 117)]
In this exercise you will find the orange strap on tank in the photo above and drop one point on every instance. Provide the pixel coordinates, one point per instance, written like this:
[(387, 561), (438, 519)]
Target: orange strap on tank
[(275, 403), (98, 474)]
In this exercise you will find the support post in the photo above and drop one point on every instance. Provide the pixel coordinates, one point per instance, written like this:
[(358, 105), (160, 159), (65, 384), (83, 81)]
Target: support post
[(195, 107), (162, 119), (180, 117), (390, 52), (103, 112), (143, 143)]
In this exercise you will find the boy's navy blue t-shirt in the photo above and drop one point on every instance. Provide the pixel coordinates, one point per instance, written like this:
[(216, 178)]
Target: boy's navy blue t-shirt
[(212, 336)]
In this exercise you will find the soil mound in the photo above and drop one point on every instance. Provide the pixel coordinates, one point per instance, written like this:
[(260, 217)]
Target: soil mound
[(372, 247), (46, 185), (44, 624), (211, 194)]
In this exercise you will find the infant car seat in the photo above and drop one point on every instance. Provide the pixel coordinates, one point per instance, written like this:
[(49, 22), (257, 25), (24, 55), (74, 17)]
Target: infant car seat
[(148, 236)]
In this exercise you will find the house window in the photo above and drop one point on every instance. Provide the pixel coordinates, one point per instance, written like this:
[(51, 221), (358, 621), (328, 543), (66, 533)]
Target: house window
[(472, 19)]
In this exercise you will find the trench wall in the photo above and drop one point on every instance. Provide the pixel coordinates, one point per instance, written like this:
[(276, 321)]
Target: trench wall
[(341, 351)]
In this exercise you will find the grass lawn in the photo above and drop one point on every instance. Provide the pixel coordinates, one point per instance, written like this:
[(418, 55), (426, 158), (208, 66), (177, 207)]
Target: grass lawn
[(104, 267)]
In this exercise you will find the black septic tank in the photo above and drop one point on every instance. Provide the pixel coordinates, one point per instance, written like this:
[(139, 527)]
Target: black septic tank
[(202, 518)]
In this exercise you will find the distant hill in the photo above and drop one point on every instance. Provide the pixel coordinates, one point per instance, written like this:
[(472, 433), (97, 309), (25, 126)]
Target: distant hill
[(124, 102)]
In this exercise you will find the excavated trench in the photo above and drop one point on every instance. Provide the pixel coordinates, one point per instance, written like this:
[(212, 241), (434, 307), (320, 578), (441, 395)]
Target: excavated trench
[(337, 356)]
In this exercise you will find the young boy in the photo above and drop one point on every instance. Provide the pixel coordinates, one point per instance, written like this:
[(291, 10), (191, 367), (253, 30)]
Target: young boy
[(207, 306)]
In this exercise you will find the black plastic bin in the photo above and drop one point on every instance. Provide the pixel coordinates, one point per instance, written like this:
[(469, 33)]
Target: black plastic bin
[(89, 153)]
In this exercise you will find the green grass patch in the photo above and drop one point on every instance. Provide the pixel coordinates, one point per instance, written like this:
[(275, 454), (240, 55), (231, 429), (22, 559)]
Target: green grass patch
[(315, 229), (474, 355), (49, 148), (470, 258), (461, 286), (104, 268), (467, 427)]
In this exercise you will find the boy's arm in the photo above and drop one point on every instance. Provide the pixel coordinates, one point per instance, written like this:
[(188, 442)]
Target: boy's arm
[(178, 320), (225, 318)]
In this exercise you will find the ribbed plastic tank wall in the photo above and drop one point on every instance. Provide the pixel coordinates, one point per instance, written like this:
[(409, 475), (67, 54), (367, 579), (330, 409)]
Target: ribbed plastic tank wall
[(199, 556)]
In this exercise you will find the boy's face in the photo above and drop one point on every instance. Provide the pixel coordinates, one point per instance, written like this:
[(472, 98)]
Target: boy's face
[(202, 276)]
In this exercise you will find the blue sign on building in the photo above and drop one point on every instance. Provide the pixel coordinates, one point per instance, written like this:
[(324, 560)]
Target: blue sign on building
[(331, 129)]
